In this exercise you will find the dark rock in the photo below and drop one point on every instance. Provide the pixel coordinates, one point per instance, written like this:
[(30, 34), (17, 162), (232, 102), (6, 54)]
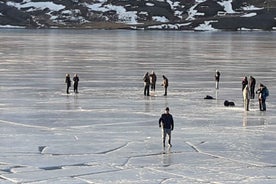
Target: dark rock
[(228, 103), (209, 8), (13, 16), (208, 97)]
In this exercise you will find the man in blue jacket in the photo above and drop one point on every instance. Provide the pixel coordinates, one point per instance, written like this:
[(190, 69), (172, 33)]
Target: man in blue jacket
[(167, 125), (263, 94)]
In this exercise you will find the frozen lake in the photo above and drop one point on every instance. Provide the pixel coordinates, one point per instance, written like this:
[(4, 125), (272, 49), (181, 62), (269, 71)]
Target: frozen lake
[(108, 133)]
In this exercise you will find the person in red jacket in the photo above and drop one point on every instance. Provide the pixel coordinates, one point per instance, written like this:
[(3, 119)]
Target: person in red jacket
[(167, 124)]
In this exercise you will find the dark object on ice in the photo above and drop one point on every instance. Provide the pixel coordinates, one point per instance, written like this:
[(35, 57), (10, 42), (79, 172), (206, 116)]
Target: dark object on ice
[(227, 103), (41, 148), (209, 97)]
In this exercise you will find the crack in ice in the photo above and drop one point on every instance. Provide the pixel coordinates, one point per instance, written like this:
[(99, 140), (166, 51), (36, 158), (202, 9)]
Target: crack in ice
[(194, 147)]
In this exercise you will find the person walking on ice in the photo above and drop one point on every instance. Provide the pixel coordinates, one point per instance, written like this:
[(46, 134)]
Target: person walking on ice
[(166, 123)]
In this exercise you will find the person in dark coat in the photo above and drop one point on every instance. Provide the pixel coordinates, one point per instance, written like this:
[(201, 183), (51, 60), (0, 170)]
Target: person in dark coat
[(244, 82), (165, 84), (146, 84), (263, 94), (252, 83), (153, 79), (167, 124), (68, 83), (76, 83), (217, 77)]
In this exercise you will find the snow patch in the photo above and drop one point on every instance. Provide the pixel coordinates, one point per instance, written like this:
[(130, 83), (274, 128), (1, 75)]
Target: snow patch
[(251, 7), (249, 15), (128, 17), (37, 5), (227, 6), (205, 27), (160, 19), (149, 4)]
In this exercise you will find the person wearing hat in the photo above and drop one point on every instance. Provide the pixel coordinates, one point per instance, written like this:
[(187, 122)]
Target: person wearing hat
[(167, 124)]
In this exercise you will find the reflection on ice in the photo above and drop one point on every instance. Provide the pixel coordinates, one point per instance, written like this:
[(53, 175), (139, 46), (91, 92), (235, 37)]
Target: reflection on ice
[(108, 133)]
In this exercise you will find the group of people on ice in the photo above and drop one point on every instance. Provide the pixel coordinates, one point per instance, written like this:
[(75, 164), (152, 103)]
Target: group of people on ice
[(166, 122), (68, 83), (150, 83), (248, 89)]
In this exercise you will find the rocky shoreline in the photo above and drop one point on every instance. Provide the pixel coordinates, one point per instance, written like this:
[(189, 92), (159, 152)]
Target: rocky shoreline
[(209, 16)]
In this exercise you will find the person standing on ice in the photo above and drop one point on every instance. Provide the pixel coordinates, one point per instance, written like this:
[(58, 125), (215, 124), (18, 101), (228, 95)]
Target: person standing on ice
[(153, 79), (263, 94), (217, 77), (146, 84), (165, 84), (68, 83), (76, 83), (246, 97), (252, 83), (167, 124), (244, 82)]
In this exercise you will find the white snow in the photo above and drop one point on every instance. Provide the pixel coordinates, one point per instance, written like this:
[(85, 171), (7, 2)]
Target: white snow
[(149, 4), (227, 6), (160, 19), (168, 26), (128, 17), (205, 27), (37, 5), (251, 7), (10, 26), (249, 15), (192, 13)]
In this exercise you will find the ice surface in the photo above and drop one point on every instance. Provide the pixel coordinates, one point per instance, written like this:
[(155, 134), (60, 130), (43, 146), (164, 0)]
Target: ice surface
[(108, 133)]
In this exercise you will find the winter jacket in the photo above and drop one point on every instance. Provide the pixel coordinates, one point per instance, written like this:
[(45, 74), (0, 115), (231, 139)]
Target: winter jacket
[(166, 121), (263, 93), (246, 93), (68, 81), (146, 80)]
